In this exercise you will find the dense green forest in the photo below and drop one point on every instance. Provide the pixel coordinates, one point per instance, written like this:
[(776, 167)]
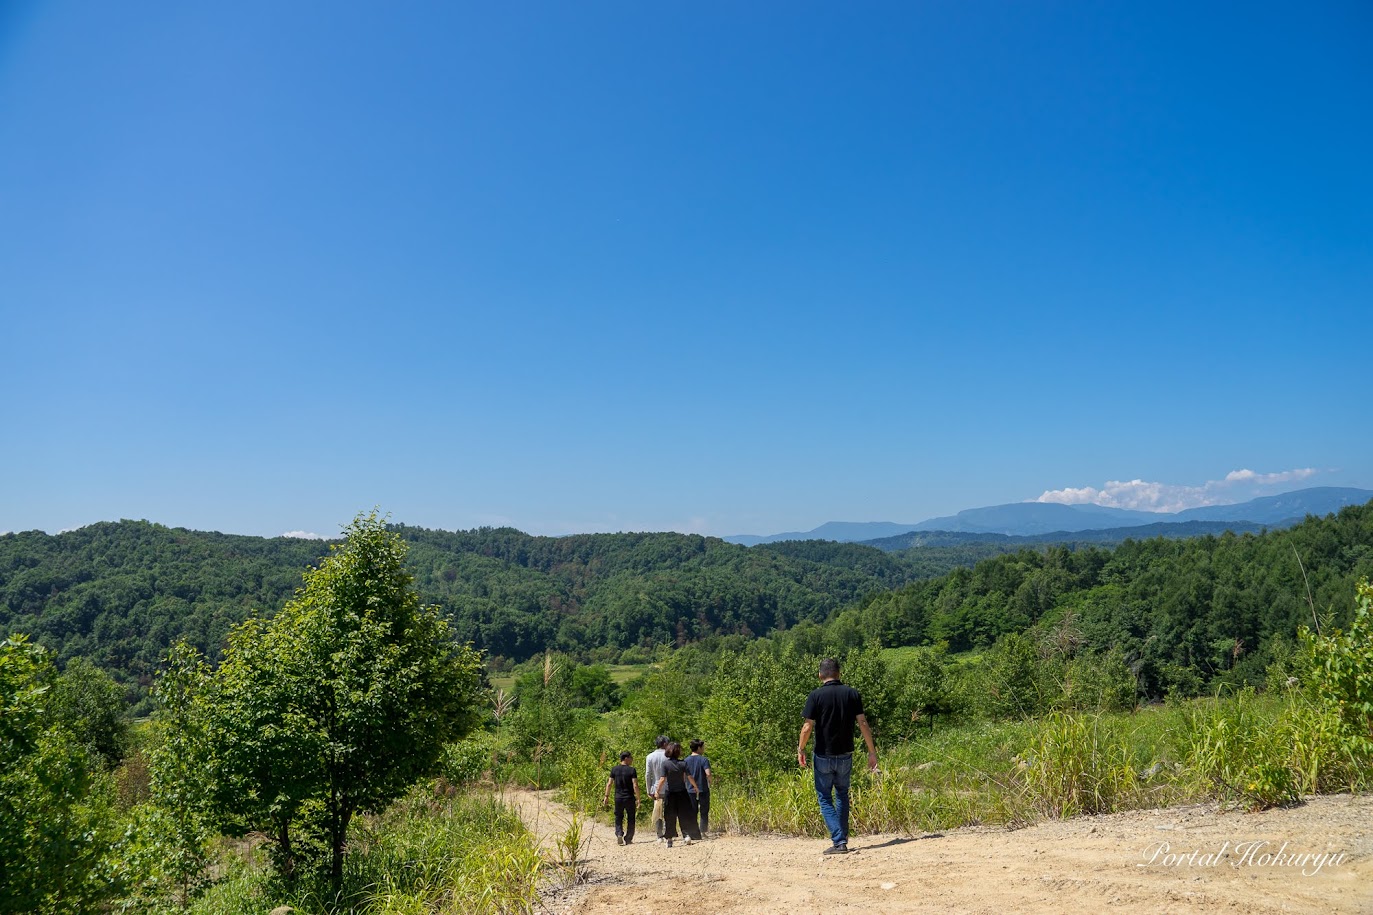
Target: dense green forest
[(1183, 611), (120, 594)]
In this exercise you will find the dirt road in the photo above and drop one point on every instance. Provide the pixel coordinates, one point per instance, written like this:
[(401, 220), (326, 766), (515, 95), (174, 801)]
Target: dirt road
[(1187, 859)]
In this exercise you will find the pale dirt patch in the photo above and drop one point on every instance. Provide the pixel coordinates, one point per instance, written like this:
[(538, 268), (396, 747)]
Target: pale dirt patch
[(1083, 865)]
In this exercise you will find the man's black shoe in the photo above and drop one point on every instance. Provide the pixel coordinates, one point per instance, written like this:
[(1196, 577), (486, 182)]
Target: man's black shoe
[(836, 850)]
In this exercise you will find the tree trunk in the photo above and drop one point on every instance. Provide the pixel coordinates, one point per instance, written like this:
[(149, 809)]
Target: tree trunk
[(343, 815), (288, 858)]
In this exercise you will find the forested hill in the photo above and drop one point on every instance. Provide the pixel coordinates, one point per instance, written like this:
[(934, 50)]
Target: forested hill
[(121, 593), (1205, 608), (514, 594)]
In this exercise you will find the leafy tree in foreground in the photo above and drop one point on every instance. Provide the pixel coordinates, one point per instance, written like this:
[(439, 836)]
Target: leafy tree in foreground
[(337, 704), (56, 820)]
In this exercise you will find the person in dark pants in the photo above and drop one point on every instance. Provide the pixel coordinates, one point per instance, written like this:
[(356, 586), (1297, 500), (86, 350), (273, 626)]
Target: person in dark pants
[(653, 773), (626, 784), (831, 712), (699, 766), (672, 787)]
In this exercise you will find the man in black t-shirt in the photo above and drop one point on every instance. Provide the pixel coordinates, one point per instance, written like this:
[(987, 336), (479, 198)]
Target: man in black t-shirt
[(625, 781), (831, 712)]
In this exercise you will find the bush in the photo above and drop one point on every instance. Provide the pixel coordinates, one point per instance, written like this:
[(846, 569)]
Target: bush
[(753, 716), (56, 807), (1009, 680), (1341, 672), (1099, 683), (469, 760)]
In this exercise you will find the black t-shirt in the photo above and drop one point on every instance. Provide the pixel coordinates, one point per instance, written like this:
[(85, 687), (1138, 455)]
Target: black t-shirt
[(623, 777), (675, 770), (834, 708)]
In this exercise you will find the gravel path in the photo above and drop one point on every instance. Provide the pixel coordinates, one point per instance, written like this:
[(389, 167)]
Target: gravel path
[(1185, 859)]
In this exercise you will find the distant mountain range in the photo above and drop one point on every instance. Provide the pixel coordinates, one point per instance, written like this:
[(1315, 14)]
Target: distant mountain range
[(1106, 536), (1036, 519)]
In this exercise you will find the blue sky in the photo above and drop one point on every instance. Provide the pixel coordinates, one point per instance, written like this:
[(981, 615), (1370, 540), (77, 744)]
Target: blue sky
[(723, 268)]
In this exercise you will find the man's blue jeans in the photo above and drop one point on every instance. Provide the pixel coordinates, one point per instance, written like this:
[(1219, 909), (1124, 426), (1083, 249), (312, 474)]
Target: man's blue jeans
[(832, 775)]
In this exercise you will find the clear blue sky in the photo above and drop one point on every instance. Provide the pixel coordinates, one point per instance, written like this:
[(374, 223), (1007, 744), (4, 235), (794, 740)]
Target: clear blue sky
[(716, 267)]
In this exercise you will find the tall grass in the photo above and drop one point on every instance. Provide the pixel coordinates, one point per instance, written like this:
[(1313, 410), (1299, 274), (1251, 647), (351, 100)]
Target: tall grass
[(1265, 751), (1080, 763), (1254, 750), (427, 855)]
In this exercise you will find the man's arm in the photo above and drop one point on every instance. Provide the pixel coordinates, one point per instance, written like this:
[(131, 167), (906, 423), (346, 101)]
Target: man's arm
[(606, 799), (805, 739), (867, 738), (635, 782)]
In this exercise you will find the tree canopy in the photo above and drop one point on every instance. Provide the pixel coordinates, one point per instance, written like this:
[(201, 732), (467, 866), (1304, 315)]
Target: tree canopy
[(334, 706)]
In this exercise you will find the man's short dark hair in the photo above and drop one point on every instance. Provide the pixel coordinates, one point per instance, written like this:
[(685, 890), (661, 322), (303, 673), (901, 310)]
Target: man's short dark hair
[(829, 669), (662, 741), (697, 744), (626, 755)]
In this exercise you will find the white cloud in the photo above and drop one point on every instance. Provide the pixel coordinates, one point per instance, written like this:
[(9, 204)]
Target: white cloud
[(305, 535), (1142, 495), (1265, 479)]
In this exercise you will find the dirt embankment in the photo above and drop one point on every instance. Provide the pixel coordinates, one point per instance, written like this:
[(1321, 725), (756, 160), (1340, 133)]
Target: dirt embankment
[(1315, 858)]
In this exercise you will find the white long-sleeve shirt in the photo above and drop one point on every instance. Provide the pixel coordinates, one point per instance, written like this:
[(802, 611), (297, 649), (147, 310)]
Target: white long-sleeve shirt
[(653, 770)]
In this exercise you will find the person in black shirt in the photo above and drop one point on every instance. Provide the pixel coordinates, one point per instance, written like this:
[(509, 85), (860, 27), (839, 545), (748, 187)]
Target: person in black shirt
[(677, 807), (626, 783), (699, 767), (831, 712)]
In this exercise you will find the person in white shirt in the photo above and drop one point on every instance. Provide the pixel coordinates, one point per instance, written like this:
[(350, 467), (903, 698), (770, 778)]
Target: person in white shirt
[(653, 772)]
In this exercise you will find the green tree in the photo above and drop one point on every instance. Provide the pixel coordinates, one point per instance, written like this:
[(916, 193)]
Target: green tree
[(167, 848), (336, 705), (1009, 679), (921, 681), (92, 706), (56, 816), (753, 715)]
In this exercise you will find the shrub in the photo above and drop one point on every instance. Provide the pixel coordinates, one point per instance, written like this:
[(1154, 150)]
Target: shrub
[(1341, 674), (1099, 683)]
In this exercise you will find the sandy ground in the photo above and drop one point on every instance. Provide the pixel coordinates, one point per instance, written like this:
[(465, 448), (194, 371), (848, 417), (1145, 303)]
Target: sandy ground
[(1184, 859)]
